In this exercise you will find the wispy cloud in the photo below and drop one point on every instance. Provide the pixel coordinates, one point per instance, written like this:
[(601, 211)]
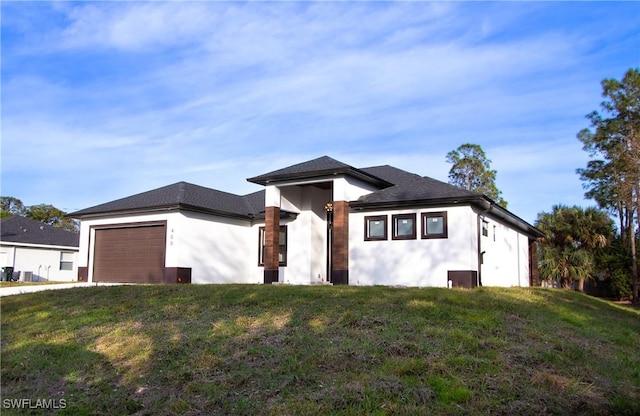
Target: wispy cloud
[(132, 95)]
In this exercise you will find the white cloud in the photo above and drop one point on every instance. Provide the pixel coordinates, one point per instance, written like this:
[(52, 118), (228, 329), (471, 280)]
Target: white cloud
[(201, 91), (134, 26)]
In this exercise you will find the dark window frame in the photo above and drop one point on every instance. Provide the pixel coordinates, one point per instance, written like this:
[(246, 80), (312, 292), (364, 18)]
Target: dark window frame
[(281, 246), (445, 227), (370, 218), (485, 228), (395, 218)]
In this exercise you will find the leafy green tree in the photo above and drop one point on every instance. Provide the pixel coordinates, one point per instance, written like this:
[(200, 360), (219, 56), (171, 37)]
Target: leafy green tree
[(613, 263), (612, 177), (472, 171), (51, 215), (11, 206), (573, 236)]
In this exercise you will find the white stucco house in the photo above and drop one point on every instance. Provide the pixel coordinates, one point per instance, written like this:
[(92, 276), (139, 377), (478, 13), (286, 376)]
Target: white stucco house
[(37, 251), (316, 222)]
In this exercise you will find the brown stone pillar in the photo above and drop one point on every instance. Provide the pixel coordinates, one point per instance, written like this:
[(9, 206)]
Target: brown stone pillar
[(340, 249), (271, 243), (534, 279)]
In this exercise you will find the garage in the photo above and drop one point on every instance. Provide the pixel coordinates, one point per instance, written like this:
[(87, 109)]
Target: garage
[(130, 254)]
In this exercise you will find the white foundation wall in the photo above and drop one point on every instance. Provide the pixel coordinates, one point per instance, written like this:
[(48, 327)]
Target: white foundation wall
[(87, 235), (419, 262), (506, 256), (217, 249), (42, 262)]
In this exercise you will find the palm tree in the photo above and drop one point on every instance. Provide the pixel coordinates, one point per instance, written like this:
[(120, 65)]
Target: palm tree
[(572, 236), (565, 265)]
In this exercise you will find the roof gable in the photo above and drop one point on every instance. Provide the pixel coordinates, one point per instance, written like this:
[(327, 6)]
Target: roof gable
[(315, 168), (17, 229)]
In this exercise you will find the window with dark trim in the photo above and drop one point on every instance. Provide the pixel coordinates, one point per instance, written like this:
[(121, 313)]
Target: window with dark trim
[(375, 228), (282, 246), (404, 226), (485, 228), (434, 224)]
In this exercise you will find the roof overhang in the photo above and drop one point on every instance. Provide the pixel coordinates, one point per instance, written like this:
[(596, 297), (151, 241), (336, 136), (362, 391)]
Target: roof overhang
[(160, 209), (39, 246), (483, 204), (318, 176)]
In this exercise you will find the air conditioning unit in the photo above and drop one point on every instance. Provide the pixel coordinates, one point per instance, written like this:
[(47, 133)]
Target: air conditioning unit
[(28, 276)]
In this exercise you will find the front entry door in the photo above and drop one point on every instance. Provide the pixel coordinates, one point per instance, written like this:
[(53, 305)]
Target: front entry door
[(329, 208)]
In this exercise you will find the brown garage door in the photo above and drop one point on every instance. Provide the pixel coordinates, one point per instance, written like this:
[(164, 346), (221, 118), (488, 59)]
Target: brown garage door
[(130, 254)]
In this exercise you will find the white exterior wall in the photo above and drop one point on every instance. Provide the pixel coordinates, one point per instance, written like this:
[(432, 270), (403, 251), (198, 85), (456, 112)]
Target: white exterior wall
[(42, 261), (224, 250), (412, 262), (506, 256), (350, 189), (217, 249)]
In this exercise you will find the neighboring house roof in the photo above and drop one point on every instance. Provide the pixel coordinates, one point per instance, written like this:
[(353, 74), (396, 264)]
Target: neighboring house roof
[(322, 166), (185, 196), (22, 230)]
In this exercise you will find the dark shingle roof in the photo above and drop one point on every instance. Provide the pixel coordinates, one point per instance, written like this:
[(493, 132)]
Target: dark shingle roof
[(411, 189), (255, 202), (17, 229), (415, 188), (321, 166), (397, 188), (391, 174), (183, 195)]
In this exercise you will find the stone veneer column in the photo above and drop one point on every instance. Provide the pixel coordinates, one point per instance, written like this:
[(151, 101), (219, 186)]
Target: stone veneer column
[(271, 244), (340, 250)]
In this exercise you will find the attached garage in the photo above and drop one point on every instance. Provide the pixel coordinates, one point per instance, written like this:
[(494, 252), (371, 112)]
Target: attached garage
[(130, 254)]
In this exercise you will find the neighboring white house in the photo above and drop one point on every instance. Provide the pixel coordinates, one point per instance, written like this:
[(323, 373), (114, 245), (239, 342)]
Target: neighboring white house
[(37, 251), (320, 221)]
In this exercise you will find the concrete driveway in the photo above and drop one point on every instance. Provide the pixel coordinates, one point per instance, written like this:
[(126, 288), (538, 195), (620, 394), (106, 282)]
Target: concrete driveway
[(18, 290)]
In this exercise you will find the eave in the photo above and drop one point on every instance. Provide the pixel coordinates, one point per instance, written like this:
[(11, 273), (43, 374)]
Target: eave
[(326, 173), (161, 209), (40, 246), (484, 205)]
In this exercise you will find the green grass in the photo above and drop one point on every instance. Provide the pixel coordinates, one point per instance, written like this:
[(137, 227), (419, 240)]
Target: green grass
[(282, 350)]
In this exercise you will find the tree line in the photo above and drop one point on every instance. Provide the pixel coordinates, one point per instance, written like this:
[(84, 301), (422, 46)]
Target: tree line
[(44, 213), (582, 244)]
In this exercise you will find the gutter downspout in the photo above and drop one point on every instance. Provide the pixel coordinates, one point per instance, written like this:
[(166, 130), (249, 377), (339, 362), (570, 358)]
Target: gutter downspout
[(519, 265)]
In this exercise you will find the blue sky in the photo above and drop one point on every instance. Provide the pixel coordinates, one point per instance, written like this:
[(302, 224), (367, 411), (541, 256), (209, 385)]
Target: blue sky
[(101, 100)]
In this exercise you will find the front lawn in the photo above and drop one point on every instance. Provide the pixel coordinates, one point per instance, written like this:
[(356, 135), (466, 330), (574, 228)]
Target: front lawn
[(278, 350)]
